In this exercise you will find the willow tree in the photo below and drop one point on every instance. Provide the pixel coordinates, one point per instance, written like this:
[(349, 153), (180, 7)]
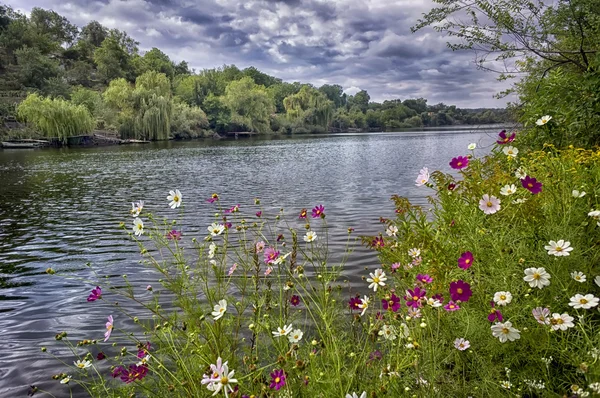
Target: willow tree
[(56, 117), (250, 104), (309, 106)]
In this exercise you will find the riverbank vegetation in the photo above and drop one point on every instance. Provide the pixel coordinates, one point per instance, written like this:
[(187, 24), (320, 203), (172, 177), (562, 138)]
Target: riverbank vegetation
[(146, 95)]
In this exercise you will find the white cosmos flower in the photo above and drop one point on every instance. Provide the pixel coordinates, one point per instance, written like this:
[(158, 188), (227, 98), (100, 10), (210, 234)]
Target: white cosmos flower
[(174, 198), (284, 331), (295, 336), (461, 344), (392, 230), (578, 276), (377, 279), (216, 229), (577, 194), (364, 304), (414, 252), (597, 280), (219, 309), (508, 190), (354, 395), (389, 332), (510, 151), (435, 303), (595, 214), (472, 146), (561, 322), (223, 381), (83, 364), (281, 258), (579, 301), (138, 227), (310, 236), (560, 248), (520, 173), (506, 384), (211, 250), (489, 204), (136, 208), (66, 380), (519, 201), (502, 298), (537, 277), (505, 332), (423, 177), (543, 120)]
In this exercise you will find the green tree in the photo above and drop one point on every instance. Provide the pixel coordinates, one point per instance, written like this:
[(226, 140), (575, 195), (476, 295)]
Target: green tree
[(360, 100), (251, 105), (114, 57), (156, 60), (335, 93), (217, 113), (309, 107), (35, 68)]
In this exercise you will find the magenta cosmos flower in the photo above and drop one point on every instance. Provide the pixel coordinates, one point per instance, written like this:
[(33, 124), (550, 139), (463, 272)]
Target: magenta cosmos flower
[(303, 213), (460, 290), (95, 294), (466, 260), (259, 214), (459, 162), (531, 184), (354, 302), (213, 198), (424, 278), (318, 211), (271, 255), (135, 372), (451, 306), (277, 379), (233, 209), (295, 300), (174, 235), (414, 297), (391, 304), (505, 139), (495, 315)]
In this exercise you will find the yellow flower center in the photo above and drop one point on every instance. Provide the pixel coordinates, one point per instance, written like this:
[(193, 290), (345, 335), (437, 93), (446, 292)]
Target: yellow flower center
[(583, 301), (536, 276), (489, 204), (375, 279), (459, 164), (224, 380), (215, 375), (505, 331), (530, 185), (392, 303), (415, 298), (502, 297), (468, 260), (277, 380), (459, 291), (175, 198), (558, 248)]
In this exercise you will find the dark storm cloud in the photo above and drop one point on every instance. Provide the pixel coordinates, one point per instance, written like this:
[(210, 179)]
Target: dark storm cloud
[(358, 44)]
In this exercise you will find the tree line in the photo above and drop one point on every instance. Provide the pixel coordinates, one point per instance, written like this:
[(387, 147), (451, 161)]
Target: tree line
[(65, 81)]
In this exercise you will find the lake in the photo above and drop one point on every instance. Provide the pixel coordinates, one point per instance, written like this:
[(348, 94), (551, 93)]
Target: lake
[(61, 208)]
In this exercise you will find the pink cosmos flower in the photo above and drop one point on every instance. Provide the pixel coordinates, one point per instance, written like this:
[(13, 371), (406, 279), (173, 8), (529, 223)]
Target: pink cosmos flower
[(489, 204), (466, 260), (532, 185), (268, 271), (174, 235), (135, 372), (232, 269), (541, 315), (504, 139), (460, 290), (451, 306), (95, 294), (395, 266), (260, 246), (354, 302), (303, 213), (277, 379), (318, 211), (378, 242), (271, 255), (259, 214), (295, 300), (461, 344), (495, 315), (424, 278), (214, 197), (414, 297), (109, 328), (233, 209), (391, 304), (413, 312), (459, 162)]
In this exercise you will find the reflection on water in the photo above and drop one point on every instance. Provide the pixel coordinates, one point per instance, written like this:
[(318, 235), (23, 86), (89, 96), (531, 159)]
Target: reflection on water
[(61, 208)]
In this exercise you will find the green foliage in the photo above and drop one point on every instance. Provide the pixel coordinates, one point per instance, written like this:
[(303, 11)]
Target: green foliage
[(187, 121), (251, 105), (35, 68), (310, 107), (114, 57), (91, 99), (156, 60), (217, 112)]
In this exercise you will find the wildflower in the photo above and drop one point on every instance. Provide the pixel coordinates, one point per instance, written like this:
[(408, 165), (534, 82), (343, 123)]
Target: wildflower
[(268, 271), (520, 173), (378, 242), (586, 302), (310, 236), (438, 297), (377, 279), (175, 198), (271, 255), (502, 298), (295, 336), (451, 306), (318, 211), (506, 384), (489, 204), (519, 201), (277, 379), (213, 198), (82, 364), (460, 290), (465, 260), (413, 297), (472, 146), (451, 186), (375, 355), (388, 332), (138, 227), (414, 252), (233, 209), (219, 309), (433, 302), (595, 387), (65, 380), (395, 266), (216, 229), (109, 328), (578, 276), (424, 278), (561, 322), (423, 177), (303, 213), (95, 294), (284, 331), (461, 344), (149, 288), (136, 208), (543, 120), (220, 379), (508, 190), (560, 248), (495, 315), (459, 162), (295, 300), (504, 139), (510, 151), (354, 395), (354, 303), (531, 184), (413, 313), (392, 230), (541, 315), (577, 194), (595, 214), (212, 248), (259, 214), (174, 235), (364, 304), (505, 332), (537, 277), (260, 246), (391, 304)]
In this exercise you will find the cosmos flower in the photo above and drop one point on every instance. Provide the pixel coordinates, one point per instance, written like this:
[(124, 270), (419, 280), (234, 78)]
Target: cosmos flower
[(174, 198), (472, 146), (541, 315), (424, 278), (460, 290), (504, 139), (543, 120), (271, 255), (174, 235), (377, 279), (465, 260), (310, 236), (260, 246), (277, 379), (461, 344), (495, 314), (451, 306), (138, 227), (318, 211), (392, 230), (95, 294), (378, 242), (576, 194), (489, 204), (505, 332), (213, 198), (364, 305), (531, 184), (508, 190), (579, 301), (502, 298), (216, 229), (537, 277), (391, 304), (354, 395), (415, 296), (414, 252), (303, 213), (560, 248), (295, 336), (423, 177), (136, 208), (284, 331), (459, 162), (388, 332), (510, 151), (354, 303), (561, 321), (578, 276), (82, 364), (109, 328), (219, 309)]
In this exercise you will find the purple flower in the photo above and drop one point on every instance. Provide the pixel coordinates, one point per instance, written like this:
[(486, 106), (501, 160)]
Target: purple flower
[(303, 213), (395, 266), (438, 297), (541, 315), (532, 185), (271, 255), (109, 328), (413, 297), (135, 372), (495, 315), (460, 290), (391, 304), (100, 356), (375, 355), (277, 379), (233, 209), (354, 302), (259, 214), (174, 235), (318, 211), (95, 294), (424, 278), (504, 139), (451, 186), (214, 197), (295, 300), (379, 316), (451, 306), (459, 162), (144, 350), (466, 260), (378, 242)]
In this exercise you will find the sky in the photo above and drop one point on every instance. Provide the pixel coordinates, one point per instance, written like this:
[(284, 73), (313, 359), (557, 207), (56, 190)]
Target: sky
[(358, 44)]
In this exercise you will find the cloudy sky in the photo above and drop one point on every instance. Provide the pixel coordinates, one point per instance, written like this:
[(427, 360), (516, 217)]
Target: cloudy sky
[(359, 44)]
